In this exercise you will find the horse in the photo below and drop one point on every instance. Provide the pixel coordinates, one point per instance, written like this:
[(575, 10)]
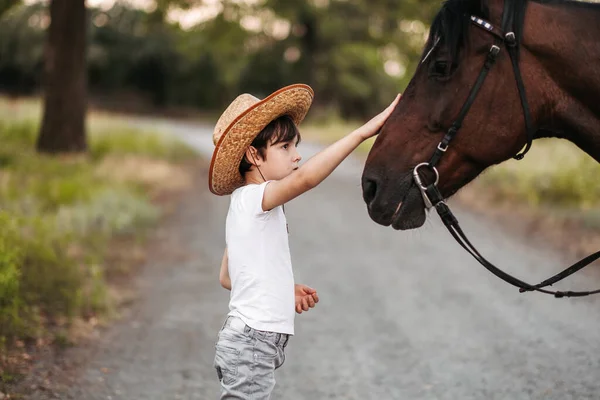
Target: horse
[(471, 105), (556, 68)]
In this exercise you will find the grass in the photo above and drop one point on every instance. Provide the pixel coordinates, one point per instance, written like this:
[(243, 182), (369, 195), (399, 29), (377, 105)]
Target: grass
[(59, 215), (553, 172), (555, 179)]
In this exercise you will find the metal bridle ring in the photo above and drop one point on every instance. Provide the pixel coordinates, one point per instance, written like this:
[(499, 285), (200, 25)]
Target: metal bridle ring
[(418, 178)]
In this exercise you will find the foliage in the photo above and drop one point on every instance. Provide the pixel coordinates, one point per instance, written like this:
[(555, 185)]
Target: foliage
[(57, 216), (540, 180), (10, 275), (21, 49), (342, 48), (131, 141)]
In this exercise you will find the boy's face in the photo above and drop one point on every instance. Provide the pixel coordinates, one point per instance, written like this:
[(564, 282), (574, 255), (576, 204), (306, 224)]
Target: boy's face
[(280, 160)]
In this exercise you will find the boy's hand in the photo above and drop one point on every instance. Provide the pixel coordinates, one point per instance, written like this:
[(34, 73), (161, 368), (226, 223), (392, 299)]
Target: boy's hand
[(305, 298), (372, 127)]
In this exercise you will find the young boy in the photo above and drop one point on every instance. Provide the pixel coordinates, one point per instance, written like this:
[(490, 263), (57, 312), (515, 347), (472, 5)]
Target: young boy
[(256, 161)]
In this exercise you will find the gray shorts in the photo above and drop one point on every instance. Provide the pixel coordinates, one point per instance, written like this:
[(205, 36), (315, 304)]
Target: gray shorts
[(246, 360)]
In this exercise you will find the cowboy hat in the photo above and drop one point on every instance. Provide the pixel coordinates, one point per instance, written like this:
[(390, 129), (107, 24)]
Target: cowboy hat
[(239, 125)]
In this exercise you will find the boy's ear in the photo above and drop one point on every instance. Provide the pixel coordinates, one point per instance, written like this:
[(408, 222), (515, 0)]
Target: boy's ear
[(252, 156)]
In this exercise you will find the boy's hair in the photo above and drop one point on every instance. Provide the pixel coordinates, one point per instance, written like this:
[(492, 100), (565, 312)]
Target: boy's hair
[(279, 130)]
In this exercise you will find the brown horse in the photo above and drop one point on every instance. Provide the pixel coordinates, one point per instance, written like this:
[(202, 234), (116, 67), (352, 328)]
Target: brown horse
[(559, 61)]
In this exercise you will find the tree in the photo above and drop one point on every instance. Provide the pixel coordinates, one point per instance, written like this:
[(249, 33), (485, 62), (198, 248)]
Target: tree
[(353, 52), (5, 5), (65, 87)]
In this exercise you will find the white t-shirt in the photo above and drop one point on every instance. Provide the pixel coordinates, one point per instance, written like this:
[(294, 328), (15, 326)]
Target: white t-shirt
[(260, 266)]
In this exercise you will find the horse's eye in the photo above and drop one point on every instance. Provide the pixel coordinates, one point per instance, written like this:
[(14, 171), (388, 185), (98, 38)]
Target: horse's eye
[(440, 68)]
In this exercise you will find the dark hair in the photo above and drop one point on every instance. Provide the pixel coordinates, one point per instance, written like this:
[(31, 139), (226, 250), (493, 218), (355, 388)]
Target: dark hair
[(279, 130), (451, 24)]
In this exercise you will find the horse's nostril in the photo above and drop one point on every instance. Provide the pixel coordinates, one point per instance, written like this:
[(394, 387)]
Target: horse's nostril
[(369, 189)]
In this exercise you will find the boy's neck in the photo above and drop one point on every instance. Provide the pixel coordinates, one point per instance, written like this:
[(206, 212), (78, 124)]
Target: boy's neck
[(253, 177)]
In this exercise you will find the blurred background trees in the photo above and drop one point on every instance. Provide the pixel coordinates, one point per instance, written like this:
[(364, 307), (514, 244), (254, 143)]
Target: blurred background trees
[(200, 54)]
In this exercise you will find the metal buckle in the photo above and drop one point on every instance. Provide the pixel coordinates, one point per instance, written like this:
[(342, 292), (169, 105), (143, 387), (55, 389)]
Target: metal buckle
[(494, 50), (423, 189), (442, 149), (510, 39)]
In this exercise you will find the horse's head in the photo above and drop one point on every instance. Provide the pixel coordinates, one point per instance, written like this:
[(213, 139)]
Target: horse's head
[(492, 131)]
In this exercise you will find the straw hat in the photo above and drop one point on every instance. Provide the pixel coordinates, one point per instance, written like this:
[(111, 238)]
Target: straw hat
[(241, 122)]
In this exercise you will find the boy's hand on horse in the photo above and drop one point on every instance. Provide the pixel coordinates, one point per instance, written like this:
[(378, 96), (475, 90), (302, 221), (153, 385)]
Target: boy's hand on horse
[(372, 127), (306, 297)]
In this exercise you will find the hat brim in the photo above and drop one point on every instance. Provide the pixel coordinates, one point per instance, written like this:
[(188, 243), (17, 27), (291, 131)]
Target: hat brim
[(224, 176)]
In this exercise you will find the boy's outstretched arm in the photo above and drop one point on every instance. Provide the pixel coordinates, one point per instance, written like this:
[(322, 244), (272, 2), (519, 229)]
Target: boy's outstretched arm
[(315, 170), (224, 273)]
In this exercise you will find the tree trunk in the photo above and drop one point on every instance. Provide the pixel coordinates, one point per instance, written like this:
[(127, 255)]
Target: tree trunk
[(65, 91)]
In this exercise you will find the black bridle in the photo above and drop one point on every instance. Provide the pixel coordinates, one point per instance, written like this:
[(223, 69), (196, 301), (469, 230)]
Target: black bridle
[(431, 194)]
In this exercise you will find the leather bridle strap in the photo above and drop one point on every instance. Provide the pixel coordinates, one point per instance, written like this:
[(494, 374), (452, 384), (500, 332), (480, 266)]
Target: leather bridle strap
[(512, 45), (443, 145), (451, 223), (461, 238)]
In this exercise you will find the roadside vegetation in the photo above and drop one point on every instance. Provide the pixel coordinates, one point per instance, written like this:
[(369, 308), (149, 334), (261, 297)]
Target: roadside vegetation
[(70, 224)]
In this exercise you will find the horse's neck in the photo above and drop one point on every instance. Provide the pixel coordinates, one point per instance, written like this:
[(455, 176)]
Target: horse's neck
[(564, 40)]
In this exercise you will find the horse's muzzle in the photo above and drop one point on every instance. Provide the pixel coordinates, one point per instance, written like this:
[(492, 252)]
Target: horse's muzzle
[(393, 202)]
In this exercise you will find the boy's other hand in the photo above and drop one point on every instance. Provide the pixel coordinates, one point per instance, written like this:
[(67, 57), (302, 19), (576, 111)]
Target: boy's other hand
[(372, 127), (306, 298)]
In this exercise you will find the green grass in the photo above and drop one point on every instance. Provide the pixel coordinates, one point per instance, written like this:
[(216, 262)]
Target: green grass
[(58, 215), (107, 134), (132, 141), (553, 173)]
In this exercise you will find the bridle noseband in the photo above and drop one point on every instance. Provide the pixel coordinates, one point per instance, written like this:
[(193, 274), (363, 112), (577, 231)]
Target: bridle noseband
[(431, 194)]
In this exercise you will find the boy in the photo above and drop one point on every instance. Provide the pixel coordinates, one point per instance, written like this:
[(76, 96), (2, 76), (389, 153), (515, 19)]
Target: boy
[(256, 161)]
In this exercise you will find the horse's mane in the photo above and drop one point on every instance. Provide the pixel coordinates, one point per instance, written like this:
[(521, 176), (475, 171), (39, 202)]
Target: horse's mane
[(451, 24)]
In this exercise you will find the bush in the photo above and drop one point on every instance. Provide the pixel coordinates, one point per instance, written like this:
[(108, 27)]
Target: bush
[(10, 276), (554, 173), (58, 216), (50, 279), (36, 275)]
